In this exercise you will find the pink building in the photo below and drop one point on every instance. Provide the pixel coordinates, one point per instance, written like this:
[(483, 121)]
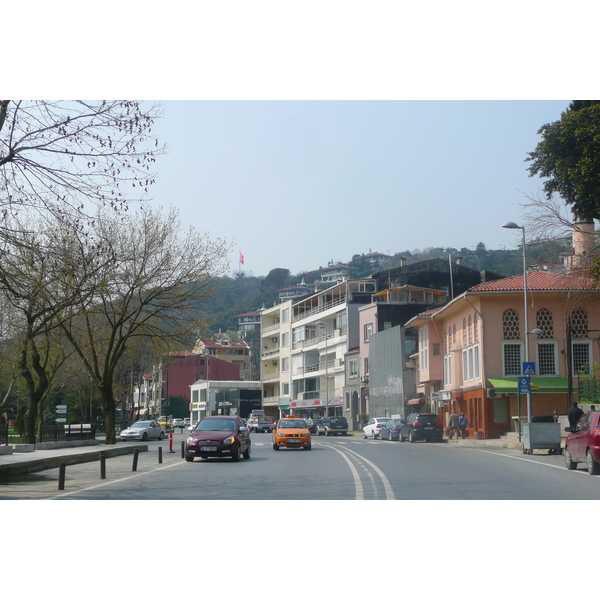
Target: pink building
[(471, 351)]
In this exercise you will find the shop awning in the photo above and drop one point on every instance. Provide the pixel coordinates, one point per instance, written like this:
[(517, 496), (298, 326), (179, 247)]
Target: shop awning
[(415, 401), (510, 385)]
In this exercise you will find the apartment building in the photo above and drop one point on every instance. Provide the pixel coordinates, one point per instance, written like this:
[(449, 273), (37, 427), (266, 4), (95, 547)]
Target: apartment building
[(324, 328), (275, 346)]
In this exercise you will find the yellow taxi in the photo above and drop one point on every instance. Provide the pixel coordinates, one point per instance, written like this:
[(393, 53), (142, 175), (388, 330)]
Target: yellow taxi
[(291, 432)]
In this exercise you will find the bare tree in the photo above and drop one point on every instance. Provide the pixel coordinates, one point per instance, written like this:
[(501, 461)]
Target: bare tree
[(69, 157), (153, 288)]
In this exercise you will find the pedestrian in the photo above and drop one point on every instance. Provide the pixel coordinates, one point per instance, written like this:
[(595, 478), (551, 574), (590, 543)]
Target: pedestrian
[(575, 413), (463, 423), (453, 424)]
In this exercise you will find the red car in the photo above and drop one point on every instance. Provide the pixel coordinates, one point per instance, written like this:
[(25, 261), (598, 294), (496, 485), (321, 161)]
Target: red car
[(583, 443), (219, 437)]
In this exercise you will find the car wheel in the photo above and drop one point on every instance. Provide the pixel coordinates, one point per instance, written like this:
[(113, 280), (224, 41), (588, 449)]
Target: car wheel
[(236, 455), (592, 466), (364, 436), (570, 464), (247, 453), (275, 447), (161, 435), (189, 458), (307, 447), (144, 437)]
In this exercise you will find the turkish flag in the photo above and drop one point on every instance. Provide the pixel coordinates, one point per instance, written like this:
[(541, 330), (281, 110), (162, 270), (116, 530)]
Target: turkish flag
[(241, 258)]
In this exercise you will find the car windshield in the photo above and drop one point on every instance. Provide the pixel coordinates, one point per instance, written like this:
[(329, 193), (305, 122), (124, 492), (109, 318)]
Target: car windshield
[(140, 425), (293, 424), (338, 421), (216, 425)]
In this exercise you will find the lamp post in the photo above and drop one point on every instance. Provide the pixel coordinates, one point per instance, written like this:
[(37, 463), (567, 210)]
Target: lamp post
[(326, 411), (511, 225)]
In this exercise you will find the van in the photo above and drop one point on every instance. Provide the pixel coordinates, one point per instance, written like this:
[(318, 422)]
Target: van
[(333, 426)]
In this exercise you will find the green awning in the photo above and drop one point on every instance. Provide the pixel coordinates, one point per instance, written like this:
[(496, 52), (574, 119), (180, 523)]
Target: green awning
[(510, 385)]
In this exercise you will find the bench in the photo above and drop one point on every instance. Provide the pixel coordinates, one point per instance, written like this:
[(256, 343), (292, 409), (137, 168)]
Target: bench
[(80, 431)]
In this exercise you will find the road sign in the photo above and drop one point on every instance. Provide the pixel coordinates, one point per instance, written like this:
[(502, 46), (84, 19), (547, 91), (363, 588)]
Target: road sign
[(62, 408), (528, 368), (524, 385), (61, 420)]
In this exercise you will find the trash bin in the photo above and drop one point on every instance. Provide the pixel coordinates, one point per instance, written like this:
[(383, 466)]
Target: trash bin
[(542, 436)]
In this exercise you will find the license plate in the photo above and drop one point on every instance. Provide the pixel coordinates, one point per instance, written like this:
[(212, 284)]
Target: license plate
[(428, 428), (293, 441), (208, 449)]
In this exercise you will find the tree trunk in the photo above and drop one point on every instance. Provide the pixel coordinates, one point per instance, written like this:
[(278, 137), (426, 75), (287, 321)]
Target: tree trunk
[(109, 409)]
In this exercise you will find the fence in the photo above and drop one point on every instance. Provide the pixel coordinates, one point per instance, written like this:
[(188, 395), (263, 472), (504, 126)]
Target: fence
[(53, 433)]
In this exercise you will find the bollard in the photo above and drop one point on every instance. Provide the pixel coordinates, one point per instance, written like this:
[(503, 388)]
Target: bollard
[(160, 455), (136, 453), (171, 443), (102, 464), (61, 476), (182, 449)]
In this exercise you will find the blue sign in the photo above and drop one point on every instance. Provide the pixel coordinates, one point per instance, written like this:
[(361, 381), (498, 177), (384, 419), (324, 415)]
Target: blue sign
[(528, 368), (524, 385)]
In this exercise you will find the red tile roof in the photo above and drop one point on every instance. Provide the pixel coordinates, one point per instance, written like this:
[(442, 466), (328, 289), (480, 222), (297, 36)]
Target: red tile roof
[(536, 281)]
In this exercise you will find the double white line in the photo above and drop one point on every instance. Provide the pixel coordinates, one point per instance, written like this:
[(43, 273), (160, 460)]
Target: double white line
[(358, 458)]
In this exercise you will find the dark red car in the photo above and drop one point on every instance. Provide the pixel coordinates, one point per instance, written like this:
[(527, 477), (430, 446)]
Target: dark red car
[(219, 437), (583, 443)]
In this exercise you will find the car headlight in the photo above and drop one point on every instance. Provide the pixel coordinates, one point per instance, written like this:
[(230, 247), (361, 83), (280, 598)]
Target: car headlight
[(190, 441), (281, 435), (306, 435), (229, 440)]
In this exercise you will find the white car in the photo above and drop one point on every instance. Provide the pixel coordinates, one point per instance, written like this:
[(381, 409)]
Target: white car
[(143, 430), (178, 423), (371, 429)]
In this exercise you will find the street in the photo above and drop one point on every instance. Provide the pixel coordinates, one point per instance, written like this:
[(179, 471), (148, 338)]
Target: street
[(337, 468)]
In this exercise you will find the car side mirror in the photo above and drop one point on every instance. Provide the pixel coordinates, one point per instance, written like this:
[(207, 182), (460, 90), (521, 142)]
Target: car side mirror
[(243, 429)]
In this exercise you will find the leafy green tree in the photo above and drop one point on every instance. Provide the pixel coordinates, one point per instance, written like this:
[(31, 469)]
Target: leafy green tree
[(568, 157)]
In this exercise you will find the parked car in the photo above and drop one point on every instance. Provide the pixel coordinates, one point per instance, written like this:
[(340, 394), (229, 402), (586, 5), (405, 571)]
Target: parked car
[(178, 423), (219, 437), (391, 429), (291, 432), (373, 426), (333, 426), (143, 430), (164, 423), (583, 443), (422, 426), (313, 425)]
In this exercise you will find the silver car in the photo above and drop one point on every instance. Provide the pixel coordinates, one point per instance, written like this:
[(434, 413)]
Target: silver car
[(372, 428), (143, 430)]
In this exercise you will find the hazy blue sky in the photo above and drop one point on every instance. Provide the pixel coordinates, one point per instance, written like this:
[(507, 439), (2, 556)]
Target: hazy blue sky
[(295, 184)]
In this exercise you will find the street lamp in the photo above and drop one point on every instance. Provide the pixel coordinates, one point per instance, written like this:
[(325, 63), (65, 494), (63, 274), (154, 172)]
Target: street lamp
[(326, 411), (511, 225)]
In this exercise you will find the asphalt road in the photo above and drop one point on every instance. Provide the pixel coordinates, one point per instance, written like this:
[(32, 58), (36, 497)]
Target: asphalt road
[(337, 468)]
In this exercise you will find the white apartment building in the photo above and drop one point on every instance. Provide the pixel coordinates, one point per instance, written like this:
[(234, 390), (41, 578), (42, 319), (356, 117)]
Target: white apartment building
[(324, 327), (275, 347)]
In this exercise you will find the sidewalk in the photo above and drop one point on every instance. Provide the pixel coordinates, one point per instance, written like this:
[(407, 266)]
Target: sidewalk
[(19, 463)]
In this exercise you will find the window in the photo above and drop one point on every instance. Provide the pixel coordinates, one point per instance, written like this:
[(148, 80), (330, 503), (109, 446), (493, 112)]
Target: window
[(510, 325), (285, 364), (582, 352), (352, 368), (285, 315), (366, 366), (447, 370), (368, 331), (545, 322), (285, 339), (547, 358), (423, 348), (286, 389), (471, 363), (511, 359)]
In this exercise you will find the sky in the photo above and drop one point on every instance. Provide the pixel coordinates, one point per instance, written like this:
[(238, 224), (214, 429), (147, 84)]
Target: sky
[(297, 184)]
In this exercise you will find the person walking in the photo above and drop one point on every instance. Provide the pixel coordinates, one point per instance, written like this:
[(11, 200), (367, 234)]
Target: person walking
[(575, 413), (453, 424), (463, 423)]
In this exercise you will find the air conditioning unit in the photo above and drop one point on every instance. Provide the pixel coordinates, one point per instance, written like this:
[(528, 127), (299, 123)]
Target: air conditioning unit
[(491, 392), (274, 340)]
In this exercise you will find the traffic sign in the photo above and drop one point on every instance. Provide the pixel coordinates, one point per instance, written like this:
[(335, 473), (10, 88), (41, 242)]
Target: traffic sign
[(524, 385), (61, 420), (528, 368)]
